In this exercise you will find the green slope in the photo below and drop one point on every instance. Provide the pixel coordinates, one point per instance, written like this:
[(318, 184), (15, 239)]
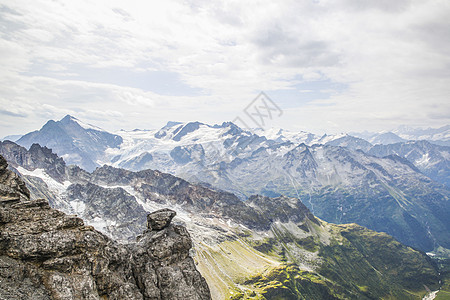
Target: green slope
[(315, 261)]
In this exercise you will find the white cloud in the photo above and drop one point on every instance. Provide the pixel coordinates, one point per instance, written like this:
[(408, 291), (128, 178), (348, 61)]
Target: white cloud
[(391, 57)]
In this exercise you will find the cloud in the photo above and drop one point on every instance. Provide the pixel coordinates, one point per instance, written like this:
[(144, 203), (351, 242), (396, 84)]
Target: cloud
[(382, 62), (19, 114), (382, 5)]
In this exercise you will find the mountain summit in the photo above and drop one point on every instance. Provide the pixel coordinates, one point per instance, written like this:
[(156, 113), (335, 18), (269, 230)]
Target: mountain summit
[(77, 142)]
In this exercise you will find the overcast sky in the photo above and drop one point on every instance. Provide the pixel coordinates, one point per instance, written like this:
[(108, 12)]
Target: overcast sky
[(331, 66)]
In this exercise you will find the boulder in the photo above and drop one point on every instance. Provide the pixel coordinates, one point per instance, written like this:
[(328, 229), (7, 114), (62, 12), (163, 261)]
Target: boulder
[(160, 219)]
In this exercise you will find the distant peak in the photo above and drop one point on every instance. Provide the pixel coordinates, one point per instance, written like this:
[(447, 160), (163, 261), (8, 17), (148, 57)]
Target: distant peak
[(172, 123), (229, 123), (68, 119), (196, 123)]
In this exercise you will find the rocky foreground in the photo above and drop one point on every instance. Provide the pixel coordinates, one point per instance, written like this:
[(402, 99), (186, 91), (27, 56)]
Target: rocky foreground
[(46, 254)]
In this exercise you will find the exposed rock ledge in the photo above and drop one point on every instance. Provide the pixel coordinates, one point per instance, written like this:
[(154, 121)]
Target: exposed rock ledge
[(46, 254)]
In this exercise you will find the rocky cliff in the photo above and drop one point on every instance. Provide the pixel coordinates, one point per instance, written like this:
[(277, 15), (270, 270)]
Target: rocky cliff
[(46, 254)]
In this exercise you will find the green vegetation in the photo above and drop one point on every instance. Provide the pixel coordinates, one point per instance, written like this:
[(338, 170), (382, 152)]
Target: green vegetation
[(443, 263), (289, 282), (266, 245), (326, 262), (443, 295), (373, 265)]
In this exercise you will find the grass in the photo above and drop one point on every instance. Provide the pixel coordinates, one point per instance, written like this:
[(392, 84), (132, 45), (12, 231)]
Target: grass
[(443, 295)]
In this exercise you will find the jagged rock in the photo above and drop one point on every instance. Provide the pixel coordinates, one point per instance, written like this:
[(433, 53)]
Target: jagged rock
[(11, 186), (3, 165), (167, 251), (46, 254), (34, 158), (160, 219)]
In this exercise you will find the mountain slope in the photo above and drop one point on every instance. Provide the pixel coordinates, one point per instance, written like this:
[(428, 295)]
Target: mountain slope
[(340, 185), (351, 142), (383, 138)]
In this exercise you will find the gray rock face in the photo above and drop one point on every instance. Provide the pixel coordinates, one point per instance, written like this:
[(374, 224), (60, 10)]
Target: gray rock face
[(11, 186), (167, 252), (160, 219), (46, 254), (35, 157), (113, 204)]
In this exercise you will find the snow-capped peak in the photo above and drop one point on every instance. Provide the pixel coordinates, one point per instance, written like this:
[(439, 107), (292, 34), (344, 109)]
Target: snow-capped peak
[(69, 118)]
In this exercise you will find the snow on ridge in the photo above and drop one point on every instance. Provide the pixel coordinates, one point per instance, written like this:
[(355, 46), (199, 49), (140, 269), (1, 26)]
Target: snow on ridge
[(52, 184), (85, 125), (137, 142)]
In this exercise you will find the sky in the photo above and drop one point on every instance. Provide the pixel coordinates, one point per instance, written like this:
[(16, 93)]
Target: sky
[(328, 65)]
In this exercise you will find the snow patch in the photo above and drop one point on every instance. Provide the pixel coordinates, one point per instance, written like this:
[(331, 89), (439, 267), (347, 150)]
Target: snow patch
[(430, 296), (52, 184), (101, 224), (78, 206), (424, 160)]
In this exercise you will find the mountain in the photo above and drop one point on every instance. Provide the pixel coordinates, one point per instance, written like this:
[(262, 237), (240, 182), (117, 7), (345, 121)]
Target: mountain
[(337, 183), (264, 248), (439, 136), (301, 137), (46, 254), (78, 143), (432, 160), (11, 138), (176, 145), (384, 138), (340, 185), (351, 142)]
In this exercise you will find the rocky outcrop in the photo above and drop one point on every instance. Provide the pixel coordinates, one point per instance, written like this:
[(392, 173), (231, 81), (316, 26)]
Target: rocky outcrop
[(165, 247), (11, 186), (46, 254), (160, 219)]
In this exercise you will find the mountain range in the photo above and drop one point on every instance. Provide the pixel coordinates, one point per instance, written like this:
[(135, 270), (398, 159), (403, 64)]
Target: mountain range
[(439, 136), (400, 188), (261, 248)]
